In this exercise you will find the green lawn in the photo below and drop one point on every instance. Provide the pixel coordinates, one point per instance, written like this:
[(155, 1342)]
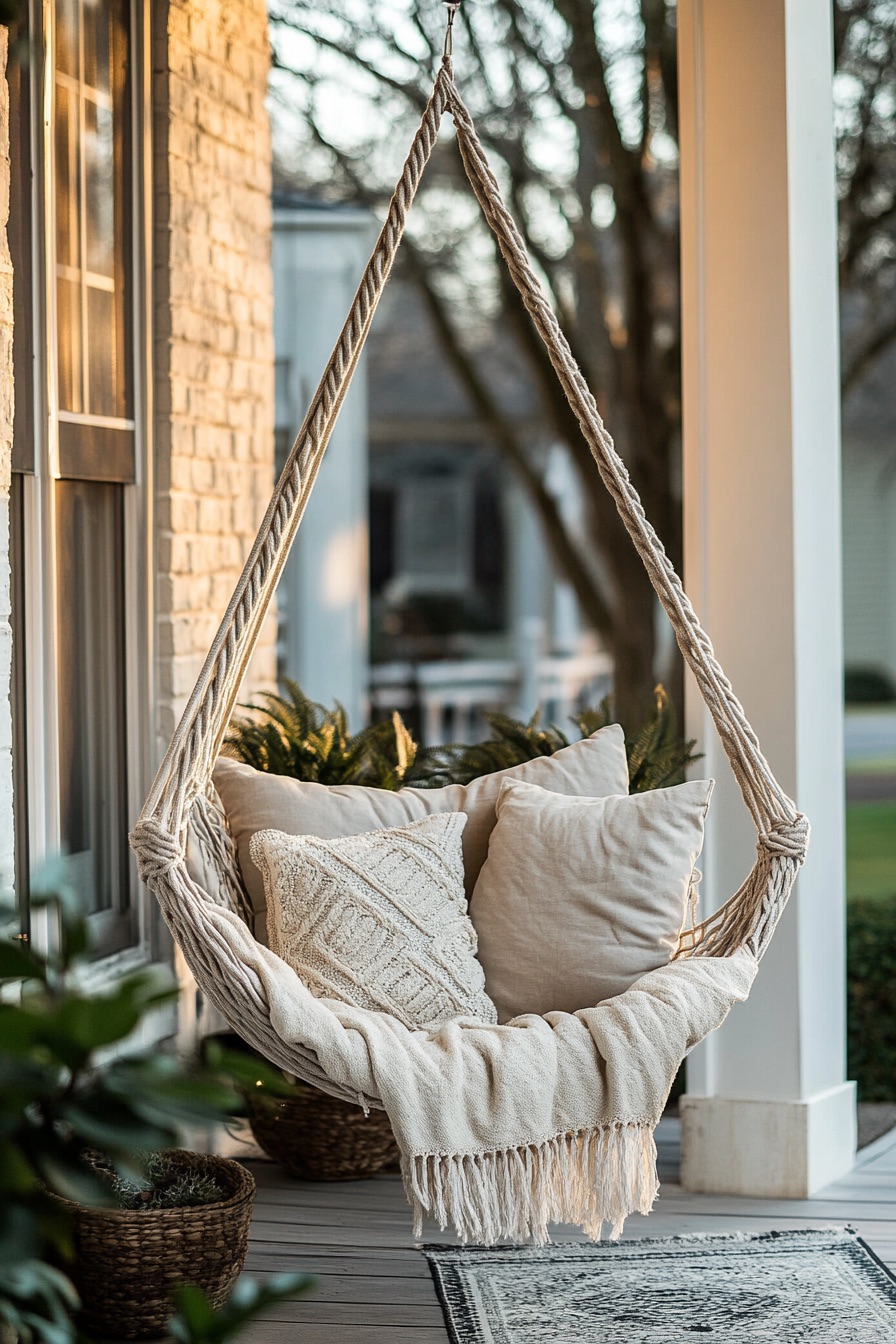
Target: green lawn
[(871, 849)]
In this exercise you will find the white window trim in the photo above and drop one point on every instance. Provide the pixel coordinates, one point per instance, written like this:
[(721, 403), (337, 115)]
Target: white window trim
[(41, 650)]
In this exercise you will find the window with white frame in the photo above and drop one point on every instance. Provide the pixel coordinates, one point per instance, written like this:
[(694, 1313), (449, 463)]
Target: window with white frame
[(79, 526)]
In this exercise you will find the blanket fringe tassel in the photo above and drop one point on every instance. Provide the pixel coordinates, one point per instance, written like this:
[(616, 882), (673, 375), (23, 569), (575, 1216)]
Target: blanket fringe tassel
[(591, 1177)]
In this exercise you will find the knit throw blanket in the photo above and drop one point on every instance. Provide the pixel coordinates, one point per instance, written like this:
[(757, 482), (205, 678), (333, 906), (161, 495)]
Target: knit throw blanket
[(505, 1129)]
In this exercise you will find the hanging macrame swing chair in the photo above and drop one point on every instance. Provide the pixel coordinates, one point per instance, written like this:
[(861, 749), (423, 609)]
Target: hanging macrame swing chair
[(594, 1160)]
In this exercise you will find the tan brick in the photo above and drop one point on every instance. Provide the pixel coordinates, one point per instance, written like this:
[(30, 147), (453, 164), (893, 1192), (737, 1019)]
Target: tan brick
[(215, 350)]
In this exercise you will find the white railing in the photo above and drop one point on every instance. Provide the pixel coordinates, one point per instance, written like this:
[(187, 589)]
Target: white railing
[(450, 699)]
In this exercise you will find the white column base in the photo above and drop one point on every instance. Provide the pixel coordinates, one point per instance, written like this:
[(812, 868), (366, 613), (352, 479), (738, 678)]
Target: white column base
[(770, 1149)]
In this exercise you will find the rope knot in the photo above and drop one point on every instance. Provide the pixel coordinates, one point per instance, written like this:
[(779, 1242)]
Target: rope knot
[(787, 839), (156, 851)]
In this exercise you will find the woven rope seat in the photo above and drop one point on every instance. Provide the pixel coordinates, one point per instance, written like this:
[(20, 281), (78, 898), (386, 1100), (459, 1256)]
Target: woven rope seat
[(180, 802)]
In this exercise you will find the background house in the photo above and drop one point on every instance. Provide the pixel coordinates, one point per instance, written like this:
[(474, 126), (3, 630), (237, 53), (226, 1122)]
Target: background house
[(869, 520), (460, 610)]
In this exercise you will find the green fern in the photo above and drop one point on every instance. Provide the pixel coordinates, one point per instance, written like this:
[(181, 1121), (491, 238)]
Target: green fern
[(511, 742), (657, 755), (667, 755), (292, 735)]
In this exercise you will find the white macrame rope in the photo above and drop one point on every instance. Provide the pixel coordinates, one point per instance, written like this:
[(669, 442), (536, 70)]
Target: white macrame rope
[(765, 799), (191, 755), (159, 838)]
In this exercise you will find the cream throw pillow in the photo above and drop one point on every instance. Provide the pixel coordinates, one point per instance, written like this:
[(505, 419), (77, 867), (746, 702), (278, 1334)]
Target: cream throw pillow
[(378, 920), (255, 801), (580, 896)]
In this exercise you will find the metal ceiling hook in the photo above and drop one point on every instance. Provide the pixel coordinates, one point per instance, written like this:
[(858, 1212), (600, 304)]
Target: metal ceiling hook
[(448, 49)]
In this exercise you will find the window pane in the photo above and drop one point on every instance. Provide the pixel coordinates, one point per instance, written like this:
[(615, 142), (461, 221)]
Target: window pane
[(92, 746), (93, 182), (21, 121), (97, 20), (68, 344), (67, 42), (105, 391), (19, 755), (99, 187), (66, 176), (434, 533)]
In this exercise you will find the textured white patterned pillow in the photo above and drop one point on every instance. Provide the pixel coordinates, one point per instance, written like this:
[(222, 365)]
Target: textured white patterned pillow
[(378, 920)]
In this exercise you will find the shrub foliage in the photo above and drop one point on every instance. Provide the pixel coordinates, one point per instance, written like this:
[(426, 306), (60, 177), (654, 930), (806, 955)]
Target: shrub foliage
[(871, 982)]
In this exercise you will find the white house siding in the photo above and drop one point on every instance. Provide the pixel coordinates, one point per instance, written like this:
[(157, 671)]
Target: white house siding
[(319, 257), (869, 551), (6, 414), (213, 326)]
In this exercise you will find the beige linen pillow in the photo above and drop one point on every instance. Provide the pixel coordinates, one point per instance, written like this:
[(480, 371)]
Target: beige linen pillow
[(255, 801), (580, 896), (378, 920)]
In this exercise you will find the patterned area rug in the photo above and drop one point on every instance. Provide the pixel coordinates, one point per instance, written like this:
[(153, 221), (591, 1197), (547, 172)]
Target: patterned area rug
[(781, 1288)]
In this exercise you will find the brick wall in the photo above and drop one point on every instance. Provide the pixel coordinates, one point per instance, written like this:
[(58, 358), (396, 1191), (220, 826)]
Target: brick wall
[(213, 297), (6, 413)]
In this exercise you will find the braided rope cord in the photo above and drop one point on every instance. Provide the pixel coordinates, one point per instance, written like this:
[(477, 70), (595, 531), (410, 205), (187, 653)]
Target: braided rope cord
[(751, 915), (190, 758), (159, 837)]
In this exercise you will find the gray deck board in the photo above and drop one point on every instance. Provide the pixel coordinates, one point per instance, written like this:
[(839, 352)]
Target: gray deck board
[(373, 1285)]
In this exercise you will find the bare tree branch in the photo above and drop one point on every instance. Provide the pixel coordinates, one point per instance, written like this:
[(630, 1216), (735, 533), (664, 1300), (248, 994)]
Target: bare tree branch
[(570, 561), (410, 91), (534, 68)]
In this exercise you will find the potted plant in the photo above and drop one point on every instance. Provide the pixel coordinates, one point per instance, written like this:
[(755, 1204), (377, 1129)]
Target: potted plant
[(181, 1217), (97, 1222), (311, 1135), (316, 1137)]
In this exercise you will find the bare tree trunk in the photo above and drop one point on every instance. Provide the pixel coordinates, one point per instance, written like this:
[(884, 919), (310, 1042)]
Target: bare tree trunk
[(633, 640)]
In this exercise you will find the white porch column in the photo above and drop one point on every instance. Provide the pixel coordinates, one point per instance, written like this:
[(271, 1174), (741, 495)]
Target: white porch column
[(768, 1111), (318, 258)]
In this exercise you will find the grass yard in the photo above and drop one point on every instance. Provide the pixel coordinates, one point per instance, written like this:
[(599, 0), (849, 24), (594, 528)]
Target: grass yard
[(871, 849)]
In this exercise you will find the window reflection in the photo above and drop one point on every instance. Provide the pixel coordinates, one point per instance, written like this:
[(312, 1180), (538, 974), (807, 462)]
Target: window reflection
[(67, 36), (91, 130), (99, 189), (92, 746), (97, 45)]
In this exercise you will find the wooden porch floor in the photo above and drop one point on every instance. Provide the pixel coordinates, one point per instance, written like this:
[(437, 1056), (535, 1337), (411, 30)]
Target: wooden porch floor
[(373, 1287)]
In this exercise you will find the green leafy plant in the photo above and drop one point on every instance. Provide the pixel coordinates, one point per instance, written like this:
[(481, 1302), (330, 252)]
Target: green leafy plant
[(868, 686), (162, 1185), (657, 754), (512, 741), (69, 1088), (871, 997), (292, 735)]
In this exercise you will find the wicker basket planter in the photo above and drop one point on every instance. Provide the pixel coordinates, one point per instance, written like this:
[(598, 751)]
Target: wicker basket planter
[(128, 1261), (316, 1137)]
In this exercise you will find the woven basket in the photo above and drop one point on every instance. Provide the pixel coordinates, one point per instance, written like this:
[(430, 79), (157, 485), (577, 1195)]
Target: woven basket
[(316, 1137), (128, 1261)]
